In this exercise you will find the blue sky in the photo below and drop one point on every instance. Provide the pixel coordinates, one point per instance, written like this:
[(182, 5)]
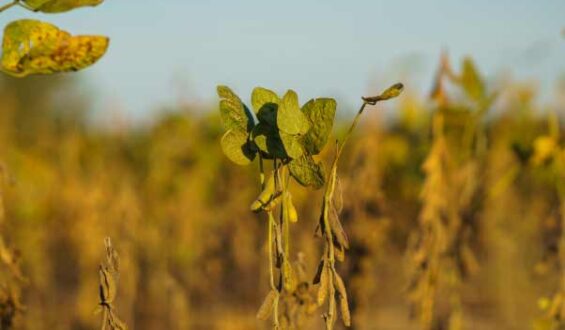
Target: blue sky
[(167, 51)]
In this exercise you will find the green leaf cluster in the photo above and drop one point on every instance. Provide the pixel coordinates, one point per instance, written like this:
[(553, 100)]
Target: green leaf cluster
[(278, 128)]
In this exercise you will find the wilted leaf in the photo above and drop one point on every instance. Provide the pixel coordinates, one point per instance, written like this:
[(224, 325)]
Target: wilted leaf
[(262, 96), (307, 172), (321, 114), (59, 6), (237, 148), (233, 112), (34, 47), (289, 117), (267, 306)]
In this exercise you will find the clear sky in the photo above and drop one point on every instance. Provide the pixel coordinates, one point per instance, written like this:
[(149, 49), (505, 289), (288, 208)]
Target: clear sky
[(165, 51)]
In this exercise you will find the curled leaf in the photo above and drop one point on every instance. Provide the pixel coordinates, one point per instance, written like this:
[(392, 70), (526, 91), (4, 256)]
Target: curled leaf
[(389, 93), (34, 47)]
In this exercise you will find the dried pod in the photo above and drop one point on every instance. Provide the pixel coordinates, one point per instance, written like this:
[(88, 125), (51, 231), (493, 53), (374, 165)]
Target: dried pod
[(319, 271), (324, 285), (267, 197), (292, 214), (289, 280), (107, 286), (267, 306), (342, 295), (337, 228), (339, 252)]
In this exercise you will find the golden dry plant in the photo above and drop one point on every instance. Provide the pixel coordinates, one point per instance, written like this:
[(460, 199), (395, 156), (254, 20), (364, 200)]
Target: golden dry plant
[(281, 130), (440, 253), (549, 154), (109, 273), (11, 277)]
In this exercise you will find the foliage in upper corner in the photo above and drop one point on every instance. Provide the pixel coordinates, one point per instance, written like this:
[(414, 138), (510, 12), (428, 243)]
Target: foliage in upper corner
[(58, 6), (279, 128), (35, 47)]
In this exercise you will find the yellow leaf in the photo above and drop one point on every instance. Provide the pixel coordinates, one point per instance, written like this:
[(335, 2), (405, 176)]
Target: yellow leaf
[(34, 47), (59, 6)]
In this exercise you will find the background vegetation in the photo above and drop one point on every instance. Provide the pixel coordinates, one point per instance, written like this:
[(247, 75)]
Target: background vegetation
[(192, 256)]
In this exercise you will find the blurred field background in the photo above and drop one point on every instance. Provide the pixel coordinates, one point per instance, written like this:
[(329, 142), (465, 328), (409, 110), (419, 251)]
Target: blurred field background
[(193, 256)]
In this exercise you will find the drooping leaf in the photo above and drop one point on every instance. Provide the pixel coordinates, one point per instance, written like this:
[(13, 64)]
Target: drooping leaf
[(234, 114), (59, 6), (237, 148), (471, 81), (262, 96), (289, 117), (307, 172), (35, 47), (268, 140), (292, 145), (321, 114)]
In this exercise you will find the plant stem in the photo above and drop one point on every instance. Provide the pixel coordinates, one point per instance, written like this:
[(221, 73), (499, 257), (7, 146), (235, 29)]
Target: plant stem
[(9, 5), (351, 128)]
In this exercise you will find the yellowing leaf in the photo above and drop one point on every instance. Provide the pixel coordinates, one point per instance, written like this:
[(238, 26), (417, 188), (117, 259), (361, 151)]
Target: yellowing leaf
[(289, 117), (236, 147), (307, 172), (59, 6), (34, 47), (321, 114), (233, 112), (262, 96)]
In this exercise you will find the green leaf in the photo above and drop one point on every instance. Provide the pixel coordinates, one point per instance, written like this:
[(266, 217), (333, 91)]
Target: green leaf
[(289, 117), (262, 96), (234, 114), (237, 148), (321, 114), (268, 114), (292, 144), (268, 140), (307, 172), (471, 81), (35, 47), (59, 6)]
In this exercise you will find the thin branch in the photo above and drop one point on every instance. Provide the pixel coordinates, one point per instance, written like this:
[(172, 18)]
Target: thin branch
[(9, 5)]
